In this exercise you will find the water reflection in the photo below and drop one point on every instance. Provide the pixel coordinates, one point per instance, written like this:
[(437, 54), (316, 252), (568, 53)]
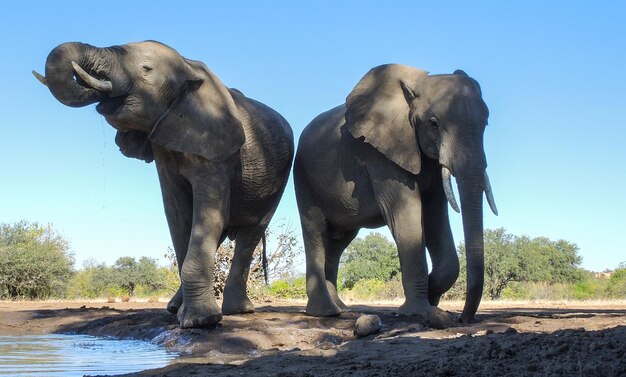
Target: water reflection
[(77, 355)]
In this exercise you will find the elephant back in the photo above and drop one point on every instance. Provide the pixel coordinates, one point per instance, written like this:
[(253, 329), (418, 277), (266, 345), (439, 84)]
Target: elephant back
[(267, 153)]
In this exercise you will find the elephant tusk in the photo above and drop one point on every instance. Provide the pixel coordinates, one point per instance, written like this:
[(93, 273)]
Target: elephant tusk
[(99, 85), (40, 77), (447, 187), (489, 195)]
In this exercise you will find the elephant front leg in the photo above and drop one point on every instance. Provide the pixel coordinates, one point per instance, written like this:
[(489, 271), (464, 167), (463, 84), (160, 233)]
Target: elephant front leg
[(407, 233), (400, 204), (178, 205), (199, 307)]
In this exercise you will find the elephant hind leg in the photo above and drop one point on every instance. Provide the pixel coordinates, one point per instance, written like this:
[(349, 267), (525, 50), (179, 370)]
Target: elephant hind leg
[(336, 243), (235, 296)]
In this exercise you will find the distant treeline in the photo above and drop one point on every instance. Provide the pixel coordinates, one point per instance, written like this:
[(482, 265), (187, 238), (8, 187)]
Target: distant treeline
[(35, 263)]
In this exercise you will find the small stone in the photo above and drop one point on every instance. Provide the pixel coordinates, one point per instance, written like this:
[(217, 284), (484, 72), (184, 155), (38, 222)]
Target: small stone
[(366, 325), (510, 330), (326, 345)]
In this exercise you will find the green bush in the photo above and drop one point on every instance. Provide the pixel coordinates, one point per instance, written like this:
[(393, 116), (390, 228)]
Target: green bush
[(517, 291), (586, 290), (616, 286), (373, 289), (368, 289), (288, 289)]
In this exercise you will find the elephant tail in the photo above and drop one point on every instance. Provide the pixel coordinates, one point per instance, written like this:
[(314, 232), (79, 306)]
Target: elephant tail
[(265, 260)]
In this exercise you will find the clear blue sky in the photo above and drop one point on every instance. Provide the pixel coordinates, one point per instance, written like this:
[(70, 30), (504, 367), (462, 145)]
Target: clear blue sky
[(553, 75)]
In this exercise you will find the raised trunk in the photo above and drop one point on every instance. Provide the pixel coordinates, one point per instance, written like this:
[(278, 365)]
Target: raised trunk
[(62, 80), (470, 192)]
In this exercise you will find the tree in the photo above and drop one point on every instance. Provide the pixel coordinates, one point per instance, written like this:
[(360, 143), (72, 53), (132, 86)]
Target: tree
[(503, 262), (510, 258), (130, 273), (92, 281), (373, 257), (35, 262)]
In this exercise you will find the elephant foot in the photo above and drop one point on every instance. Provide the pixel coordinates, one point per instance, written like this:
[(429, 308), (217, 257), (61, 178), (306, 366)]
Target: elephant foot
[(335, 296), (175, 302), (322, 309), (412, 308), (439, 319), (237, 306), (433, 316), (204, 315)]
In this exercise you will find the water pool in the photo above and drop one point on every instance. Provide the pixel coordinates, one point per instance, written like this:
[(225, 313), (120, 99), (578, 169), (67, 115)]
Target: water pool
[(76, 355)]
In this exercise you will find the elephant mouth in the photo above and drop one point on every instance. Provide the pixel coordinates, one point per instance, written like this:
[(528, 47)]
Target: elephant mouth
[(111, 106)]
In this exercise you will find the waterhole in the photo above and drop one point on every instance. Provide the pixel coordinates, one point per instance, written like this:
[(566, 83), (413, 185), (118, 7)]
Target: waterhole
[(77, 355)]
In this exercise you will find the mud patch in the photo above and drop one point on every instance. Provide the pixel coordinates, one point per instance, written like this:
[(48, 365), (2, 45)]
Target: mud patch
[(281, 340)]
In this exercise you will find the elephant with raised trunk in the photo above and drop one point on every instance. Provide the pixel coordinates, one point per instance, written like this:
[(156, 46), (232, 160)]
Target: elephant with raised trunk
[(386, 157), (222, 159)]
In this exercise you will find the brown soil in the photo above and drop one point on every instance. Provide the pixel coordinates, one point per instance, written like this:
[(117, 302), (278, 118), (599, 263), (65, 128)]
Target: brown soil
[(529, 339)]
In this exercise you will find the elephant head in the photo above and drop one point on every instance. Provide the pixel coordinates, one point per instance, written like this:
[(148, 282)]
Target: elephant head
[(442, 117), (149, 93)]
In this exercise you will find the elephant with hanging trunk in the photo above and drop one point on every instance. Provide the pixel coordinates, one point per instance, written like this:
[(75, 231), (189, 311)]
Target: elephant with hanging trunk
[(386, 157), (222, 159)]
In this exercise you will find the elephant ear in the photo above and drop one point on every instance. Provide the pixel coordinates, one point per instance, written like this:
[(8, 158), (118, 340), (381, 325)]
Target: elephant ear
[(203, 120), (378, 109), (134, 144)]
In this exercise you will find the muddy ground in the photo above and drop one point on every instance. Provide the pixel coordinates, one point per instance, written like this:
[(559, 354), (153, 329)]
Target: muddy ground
[(530, 339)]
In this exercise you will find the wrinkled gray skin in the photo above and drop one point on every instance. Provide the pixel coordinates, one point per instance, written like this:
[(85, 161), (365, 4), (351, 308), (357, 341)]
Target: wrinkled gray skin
[(379, 160), (223, 159)]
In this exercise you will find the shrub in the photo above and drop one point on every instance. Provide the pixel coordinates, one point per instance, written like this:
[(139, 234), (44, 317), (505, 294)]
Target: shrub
[(373, 289), (293, 289), (616, 286), (34, 261)]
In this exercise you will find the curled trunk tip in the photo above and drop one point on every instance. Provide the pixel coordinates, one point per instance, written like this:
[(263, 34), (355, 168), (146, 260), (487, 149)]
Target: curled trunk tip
[(60, 75)]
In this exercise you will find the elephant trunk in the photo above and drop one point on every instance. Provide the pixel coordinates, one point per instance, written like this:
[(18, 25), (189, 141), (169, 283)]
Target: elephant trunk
[(67, 85), (470, 191)]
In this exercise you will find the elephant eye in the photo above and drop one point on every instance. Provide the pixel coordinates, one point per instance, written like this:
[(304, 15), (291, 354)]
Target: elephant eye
[(434, 122), (147, 67)]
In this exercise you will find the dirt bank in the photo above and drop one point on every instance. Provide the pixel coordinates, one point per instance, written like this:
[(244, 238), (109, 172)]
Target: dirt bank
[(560, 339)]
